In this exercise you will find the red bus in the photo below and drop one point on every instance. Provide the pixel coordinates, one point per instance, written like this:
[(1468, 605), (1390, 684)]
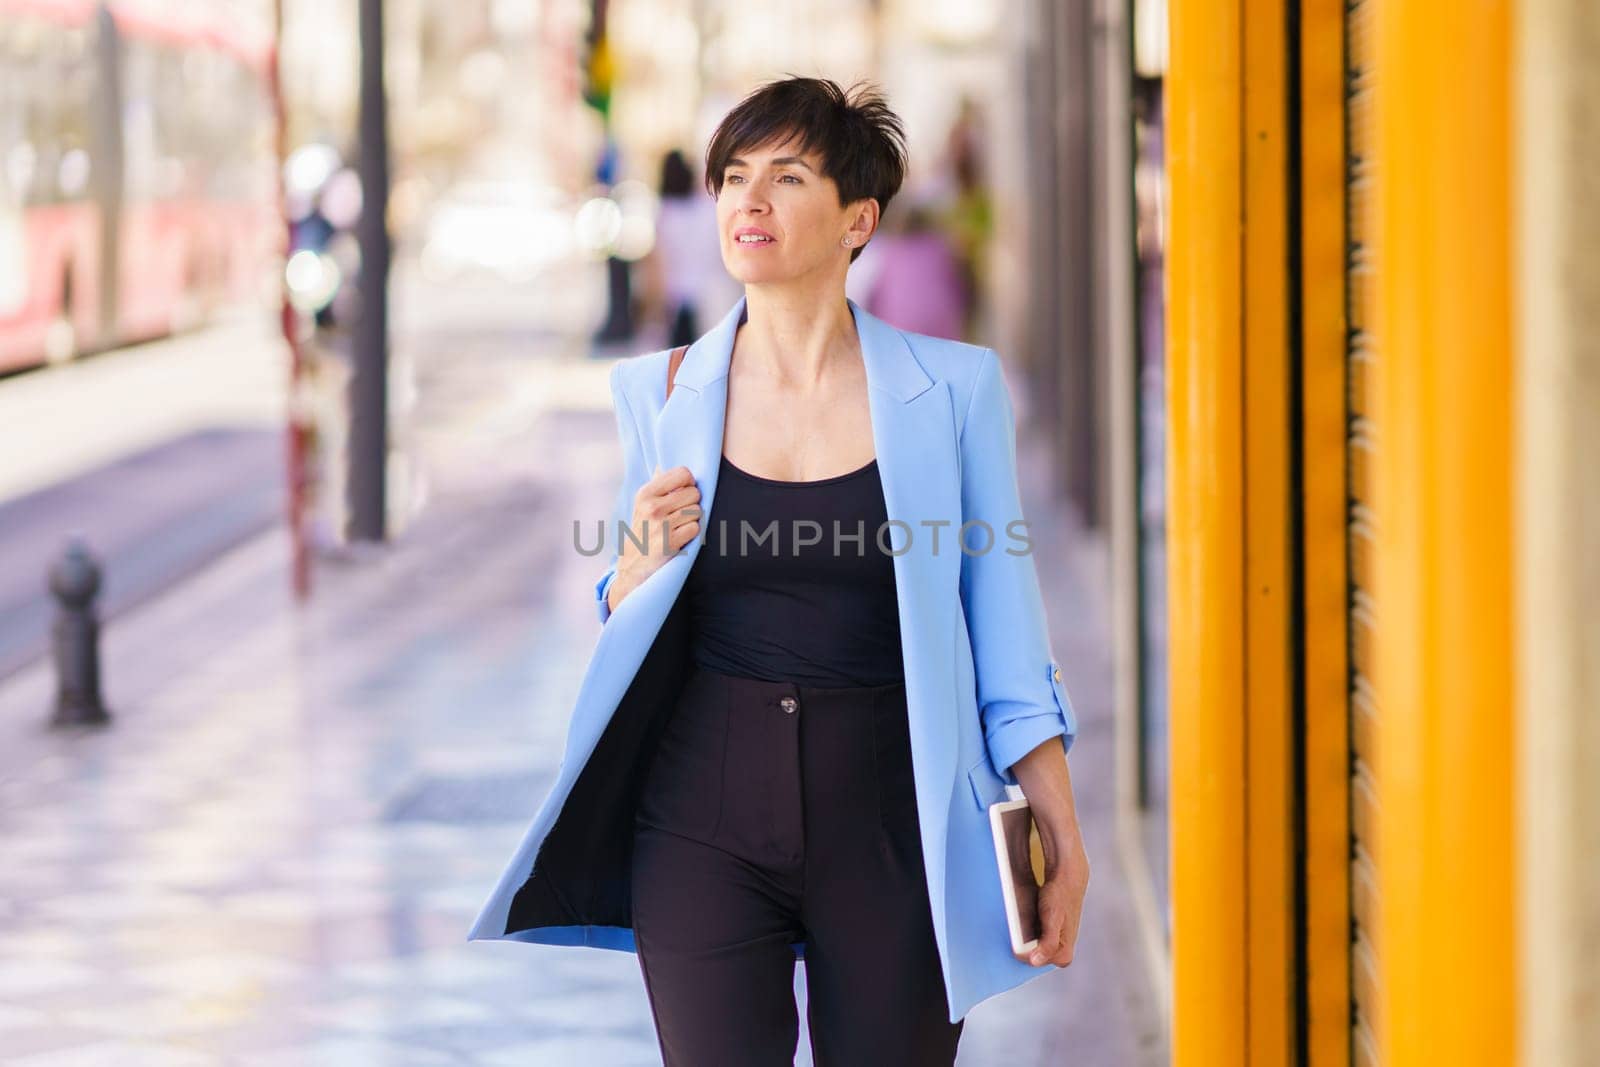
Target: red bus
[(137, 170)]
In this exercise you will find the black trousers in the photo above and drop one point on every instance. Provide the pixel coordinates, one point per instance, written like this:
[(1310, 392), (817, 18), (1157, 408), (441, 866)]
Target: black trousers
[(774, 813)]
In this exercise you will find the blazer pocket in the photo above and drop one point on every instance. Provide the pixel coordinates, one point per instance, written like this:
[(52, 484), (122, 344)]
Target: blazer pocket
[(987, 786)]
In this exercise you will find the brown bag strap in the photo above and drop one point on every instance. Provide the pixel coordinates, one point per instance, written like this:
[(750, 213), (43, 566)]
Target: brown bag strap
[(672, 365)]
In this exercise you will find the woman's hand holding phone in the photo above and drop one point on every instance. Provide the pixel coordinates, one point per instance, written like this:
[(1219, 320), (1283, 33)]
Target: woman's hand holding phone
[(666, 516)]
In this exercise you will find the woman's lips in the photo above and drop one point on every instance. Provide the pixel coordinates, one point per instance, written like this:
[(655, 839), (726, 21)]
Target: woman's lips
[(753, 231)]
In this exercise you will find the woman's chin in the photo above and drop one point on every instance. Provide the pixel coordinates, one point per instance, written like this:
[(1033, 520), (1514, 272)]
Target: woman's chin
[(760, 273)]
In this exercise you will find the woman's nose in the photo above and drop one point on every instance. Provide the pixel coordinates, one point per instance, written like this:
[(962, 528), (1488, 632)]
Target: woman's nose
[(750, 200)]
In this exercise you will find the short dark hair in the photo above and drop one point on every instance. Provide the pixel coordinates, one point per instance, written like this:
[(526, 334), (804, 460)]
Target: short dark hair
[(861, 141)]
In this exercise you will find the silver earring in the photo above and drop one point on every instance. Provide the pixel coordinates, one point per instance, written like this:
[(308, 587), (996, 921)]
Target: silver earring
[(845, 240)]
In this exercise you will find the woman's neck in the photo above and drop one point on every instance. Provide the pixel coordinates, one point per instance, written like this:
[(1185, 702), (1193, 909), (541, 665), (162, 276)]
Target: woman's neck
[(794, 339)]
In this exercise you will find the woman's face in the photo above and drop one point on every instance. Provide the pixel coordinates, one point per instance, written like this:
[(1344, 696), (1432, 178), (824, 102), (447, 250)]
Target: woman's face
[(778, 196)]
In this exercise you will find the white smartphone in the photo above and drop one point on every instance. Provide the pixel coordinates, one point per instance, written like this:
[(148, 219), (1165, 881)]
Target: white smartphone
[(1020, 856)]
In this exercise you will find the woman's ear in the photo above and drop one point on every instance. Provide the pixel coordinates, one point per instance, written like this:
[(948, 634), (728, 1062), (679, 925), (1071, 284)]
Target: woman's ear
[(864, 223)]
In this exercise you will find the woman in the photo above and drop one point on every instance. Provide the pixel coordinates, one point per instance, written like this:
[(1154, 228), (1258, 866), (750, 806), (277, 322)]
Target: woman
[(786, 743)]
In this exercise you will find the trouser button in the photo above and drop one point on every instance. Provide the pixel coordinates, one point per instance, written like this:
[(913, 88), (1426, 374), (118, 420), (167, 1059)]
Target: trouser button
[(788, 705)]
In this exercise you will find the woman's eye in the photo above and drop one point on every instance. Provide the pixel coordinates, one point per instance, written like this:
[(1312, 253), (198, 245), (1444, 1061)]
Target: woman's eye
[(732, 178)]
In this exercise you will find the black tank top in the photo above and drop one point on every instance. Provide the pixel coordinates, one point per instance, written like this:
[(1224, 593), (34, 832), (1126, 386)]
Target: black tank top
[(827, 616)]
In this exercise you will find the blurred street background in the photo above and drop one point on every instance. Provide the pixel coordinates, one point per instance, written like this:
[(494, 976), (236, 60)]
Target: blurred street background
[(335, 668), (306, 313)]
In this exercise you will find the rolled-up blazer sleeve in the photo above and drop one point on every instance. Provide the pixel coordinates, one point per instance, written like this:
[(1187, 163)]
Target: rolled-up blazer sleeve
[(635, 473), (1022, 699)]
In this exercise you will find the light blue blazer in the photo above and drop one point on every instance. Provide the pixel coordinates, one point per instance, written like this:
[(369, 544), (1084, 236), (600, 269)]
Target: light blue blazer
[(982, 685)]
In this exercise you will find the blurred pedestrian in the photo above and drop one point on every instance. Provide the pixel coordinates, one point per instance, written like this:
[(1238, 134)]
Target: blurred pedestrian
[(687, 256), (918, 285), (739, 787), (969, 217), (618, 325)]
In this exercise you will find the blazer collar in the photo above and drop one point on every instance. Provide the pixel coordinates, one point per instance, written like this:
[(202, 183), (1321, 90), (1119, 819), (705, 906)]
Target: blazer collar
[(890, 364)]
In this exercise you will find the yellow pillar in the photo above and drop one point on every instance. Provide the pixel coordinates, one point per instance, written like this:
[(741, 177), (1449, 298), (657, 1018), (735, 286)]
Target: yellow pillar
[(1205, 535), (1325, 495), (1228, 553), (1444, 655)]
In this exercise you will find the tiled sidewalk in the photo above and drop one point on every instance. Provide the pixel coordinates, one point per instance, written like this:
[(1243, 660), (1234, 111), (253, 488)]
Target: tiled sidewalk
[(273, 855)]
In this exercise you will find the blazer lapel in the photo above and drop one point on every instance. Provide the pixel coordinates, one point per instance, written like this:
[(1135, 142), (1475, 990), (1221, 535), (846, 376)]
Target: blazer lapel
[(689, 430), (914, 432)]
